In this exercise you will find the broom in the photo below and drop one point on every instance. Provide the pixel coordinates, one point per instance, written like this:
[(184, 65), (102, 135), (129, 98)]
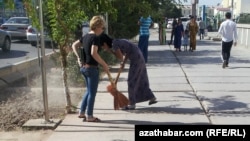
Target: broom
[(120, 100)]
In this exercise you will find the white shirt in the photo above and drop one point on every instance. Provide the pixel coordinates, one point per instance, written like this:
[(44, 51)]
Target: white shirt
[(228, 31)]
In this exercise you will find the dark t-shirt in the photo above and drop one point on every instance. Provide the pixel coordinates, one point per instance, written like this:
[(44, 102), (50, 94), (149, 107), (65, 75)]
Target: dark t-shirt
[(87, 41)]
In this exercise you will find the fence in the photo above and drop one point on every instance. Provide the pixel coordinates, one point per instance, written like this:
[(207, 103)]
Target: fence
[(243, 35)]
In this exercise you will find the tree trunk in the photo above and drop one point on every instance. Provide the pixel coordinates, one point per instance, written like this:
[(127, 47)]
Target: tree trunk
[(65, 81)]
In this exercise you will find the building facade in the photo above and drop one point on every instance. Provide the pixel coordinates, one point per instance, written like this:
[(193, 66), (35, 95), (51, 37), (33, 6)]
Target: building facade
[(237, 7), (18, 10)]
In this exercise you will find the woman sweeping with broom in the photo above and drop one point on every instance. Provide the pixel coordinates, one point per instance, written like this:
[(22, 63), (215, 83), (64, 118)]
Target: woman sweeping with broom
[(138, 83)]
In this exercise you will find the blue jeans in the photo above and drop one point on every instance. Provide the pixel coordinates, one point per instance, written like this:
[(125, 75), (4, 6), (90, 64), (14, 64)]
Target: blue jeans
[(143, 45), (91, 76)]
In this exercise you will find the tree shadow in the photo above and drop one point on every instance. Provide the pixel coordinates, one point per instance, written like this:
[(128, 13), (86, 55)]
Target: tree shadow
[(226, 104), (13, 54)]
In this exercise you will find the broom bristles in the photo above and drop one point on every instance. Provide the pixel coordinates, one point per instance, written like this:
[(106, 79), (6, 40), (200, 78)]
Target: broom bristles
[(120, 100)]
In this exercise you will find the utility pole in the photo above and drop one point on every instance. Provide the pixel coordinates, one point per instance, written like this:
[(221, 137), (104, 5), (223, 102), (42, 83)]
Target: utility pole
[(44, 81), (232, 8), (194, 3)]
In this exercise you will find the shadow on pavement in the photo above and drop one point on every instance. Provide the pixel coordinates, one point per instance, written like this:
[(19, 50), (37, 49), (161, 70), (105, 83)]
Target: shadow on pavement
[(13, 54)]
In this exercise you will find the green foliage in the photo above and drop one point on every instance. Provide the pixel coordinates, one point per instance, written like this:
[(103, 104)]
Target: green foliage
[(244, 18), (74, 76), (124, 24), (73, 70), (63, 17), (9, 4)]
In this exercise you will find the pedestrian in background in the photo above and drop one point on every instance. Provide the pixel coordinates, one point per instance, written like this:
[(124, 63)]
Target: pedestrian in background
[(192, 27), (145, 24), (88, 61), (138, 83), (162, 31), (174, 23), (185, 39), (202, 28), (178, 33), (228, 32)]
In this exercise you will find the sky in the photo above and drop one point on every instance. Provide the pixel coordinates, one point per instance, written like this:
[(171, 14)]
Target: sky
[(206, 2)]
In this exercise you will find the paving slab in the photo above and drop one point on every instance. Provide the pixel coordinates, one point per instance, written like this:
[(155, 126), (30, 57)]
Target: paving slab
[(191, 88), (225, 102)]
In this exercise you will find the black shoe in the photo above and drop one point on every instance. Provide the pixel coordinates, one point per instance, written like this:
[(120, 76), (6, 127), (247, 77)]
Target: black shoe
[(152, 101), (129, 107), (224, 64)]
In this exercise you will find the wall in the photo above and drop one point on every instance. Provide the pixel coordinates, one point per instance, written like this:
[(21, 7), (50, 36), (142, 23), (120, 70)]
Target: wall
[(243, 35)]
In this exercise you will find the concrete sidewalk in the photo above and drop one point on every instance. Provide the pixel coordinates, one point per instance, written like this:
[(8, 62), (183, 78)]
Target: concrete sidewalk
[(191, 87)]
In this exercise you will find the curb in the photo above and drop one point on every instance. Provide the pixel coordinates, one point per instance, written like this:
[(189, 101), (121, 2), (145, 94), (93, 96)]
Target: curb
[(12, 73)]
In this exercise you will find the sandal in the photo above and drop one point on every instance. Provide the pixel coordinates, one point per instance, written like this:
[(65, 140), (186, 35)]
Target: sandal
[(94, 119)]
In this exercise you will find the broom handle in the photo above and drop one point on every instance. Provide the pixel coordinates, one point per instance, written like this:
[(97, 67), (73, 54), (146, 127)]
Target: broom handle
[(111, 79), (119, 72)]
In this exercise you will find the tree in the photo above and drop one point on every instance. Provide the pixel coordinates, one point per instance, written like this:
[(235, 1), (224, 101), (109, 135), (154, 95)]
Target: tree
[(62, 18), (124, 24)]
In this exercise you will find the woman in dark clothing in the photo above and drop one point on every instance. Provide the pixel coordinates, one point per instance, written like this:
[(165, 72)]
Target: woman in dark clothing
[(178, 33), (88, 62), (138, 83)]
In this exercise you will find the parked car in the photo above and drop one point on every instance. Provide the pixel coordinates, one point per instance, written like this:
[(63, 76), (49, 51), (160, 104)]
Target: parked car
[(169, 25), (1, 20), (5, 40), (16, 27), (32, 37)]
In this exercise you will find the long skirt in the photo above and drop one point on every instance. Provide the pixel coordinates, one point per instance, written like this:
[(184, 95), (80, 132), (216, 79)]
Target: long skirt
[(138, 83)]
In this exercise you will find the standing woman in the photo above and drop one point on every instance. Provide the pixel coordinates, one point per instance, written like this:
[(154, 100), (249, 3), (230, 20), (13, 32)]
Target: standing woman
[(178, 33), (138, 83), (88, 62), (193, 30), (162, 31)]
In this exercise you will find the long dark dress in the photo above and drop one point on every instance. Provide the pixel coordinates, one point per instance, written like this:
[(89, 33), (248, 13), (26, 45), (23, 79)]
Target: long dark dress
[(178, 35), (138, 83)]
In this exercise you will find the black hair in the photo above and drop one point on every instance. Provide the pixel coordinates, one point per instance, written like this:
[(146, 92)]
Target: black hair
[(228, 15), (104, 38)]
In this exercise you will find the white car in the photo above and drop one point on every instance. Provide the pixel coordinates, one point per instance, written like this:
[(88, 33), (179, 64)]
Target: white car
[(33, 37), (169, 25), (16, 27)]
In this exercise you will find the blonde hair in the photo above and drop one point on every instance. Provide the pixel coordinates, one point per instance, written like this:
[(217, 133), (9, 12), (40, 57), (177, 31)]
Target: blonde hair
[(96, 21)]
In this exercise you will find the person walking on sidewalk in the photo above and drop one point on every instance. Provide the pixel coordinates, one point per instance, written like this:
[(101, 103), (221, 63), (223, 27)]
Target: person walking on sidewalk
[(192, 27), (178, 33), (228, 32), (202, 28), (88, 62), (185, 39), (145, 24), (174, 24), (138, 83)]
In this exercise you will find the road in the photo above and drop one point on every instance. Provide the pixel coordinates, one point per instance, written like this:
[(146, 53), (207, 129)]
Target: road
[(20, 51)]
